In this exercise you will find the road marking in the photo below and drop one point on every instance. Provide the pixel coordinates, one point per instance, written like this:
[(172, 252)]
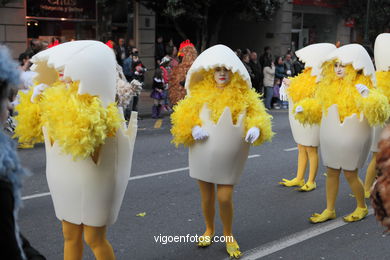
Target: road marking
[(36, 196), (158, 123), (291, 149), (293, 239), (134, 178)]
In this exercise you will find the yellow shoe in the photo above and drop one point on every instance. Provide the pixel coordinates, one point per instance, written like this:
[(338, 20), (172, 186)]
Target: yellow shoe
[(358, 214), (205, 240), (308, 187), (293, 182), (324, 216), (367, 194), (233, 249)]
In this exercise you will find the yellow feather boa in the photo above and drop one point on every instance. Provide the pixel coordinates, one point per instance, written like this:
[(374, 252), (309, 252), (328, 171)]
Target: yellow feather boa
[(302, 86), (383, 82), (236, 95), (78, 123), (342, 91)]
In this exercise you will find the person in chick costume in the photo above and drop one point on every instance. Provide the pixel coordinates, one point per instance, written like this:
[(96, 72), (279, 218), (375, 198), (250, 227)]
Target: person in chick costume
[(218, 119), (188, 54), (88, 147), (345, 105), (382, 63), (307, 137)]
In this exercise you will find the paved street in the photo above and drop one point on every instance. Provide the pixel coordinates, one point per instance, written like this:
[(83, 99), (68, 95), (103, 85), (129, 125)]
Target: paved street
[(270, 220)]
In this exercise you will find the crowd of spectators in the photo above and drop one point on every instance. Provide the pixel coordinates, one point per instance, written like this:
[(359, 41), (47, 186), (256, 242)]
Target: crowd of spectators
[(268, 71)]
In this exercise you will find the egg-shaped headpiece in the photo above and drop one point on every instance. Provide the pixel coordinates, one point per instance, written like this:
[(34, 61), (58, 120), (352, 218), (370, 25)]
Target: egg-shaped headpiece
[(92, 63), (382, 52), (355, 55), (216, 56), (313, 56)]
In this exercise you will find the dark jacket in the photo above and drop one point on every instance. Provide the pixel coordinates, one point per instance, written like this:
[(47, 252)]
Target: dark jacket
[(280, 72)]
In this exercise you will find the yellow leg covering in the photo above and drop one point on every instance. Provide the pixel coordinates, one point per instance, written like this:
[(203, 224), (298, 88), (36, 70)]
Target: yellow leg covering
[(358, 191), (207, 192), (95, 237), (73, 241), (225, 200), (312, 153), (302, 162), (370, 176), (332, 188)]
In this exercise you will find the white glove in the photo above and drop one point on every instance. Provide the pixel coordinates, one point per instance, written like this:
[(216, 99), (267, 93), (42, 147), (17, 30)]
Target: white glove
[(252, 135), (37, 91), (198, 133), (283, 92), (363, 89), (299, 109)]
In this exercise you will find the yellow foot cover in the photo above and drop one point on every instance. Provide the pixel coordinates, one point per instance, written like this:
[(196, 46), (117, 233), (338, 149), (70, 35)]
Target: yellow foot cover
[(367, 194), (293, 182), (358, 214), (206, 239), (308, 186), (324, 216), (233, 249)]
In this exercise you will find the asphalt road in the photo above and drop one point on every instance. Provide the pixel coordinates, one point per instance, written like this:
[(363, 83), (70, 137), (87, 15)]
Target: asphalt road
[(270, 220)]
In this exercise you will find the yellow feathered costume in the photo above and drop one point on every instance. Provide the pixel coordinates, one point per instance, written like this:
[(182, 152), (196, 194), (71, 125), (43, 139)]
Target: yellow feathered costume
[(236, 95), (79, 123), (302, 86), (342, 91)]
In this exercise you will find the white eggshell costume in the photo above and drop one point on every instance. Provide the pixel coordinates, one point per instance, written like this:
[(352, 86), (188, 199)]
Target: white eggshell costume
[(221, 157), (382, 62), (346, 145), (85, 192), (313, 56)]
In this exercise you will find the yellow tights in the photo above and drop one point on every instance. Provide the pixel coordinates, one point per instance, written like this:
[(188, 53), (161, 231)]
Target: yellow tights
[(332, 188), (370, 176), (225, 200), (305, 153), (95, 237)]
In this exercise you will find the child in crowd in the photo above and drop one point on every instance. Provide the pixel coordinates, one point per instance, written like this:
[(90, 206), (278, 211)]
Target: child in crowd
[(158, 92)]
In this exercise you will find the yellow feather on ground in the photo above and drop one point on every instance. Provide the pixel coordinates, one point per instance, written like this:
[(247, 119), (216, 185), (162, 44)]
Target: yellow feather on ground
[(236, 95), (78, 123)]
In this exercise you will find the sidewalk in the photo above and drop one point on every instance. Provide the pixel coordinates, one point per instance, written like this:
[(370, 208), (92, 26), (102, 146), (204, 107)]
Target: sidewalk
[(145, 104)]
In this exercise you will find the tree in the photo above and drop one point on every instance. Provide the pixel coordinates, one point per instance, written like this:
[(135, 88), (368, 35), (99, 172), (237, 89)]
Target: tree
[(379, 18), (206, 16)]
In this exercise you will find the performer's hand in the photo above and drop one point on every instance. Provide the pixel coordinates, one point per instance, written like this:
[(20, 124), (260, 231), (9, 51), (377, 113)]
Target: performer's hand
[(252, 135), (37, 91), (363, 89), (198, 133), (299, 109)]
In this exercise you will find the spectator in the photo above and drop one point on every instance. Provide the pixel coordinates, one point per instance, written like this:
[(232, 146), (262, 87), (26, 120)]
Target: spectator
[(159, 51), (130, 46), (289, 65), (279, 68), (256, 69), (169, 50), (158, 92), (268, 82), (166, 73), (138, 71), (246, 60), (121, 51), (27, 75), (35, 47), (266, 58), (238, 52)]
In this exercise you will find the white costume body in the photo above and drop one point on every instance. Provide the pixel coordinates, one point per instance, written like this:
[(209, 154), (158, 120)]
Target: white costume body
[(312, 56), (85, 192), (346, 145), (382, 62), (221, 157)]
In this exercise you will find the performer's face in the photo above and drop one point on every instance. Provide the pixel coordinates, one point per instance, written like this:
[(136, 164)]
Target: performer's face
[(221, 76), (339, 69)]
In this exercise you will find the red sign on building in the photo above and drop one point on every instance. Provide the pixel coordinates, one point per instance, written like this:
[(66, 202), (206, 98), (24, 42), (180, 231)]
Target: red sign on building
[(323, 3)]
